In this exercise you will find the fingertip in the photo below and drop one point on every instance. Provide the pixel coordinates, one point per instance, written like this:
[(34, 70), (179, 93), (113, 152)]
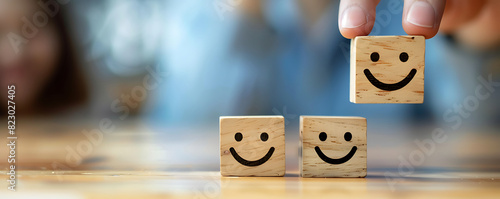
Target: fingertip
[(356, 17), (423, 17), (412, 29), (363, 30)]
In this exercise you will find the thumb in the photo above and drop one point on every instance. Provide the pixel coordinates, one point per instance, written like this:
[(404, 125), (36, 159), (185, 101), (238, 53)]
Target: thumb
[(423, 17)]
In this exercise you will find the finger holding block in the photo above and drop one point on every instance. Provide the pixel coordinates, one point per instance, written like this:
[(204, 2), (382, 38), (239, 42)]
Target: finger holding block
[(332, 146), (252, 146), (387, 69)]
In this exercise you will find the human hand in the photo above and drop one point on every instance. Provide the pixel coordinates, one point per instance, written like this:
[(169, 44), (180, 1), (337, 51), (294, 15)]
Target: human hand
[(472, 22), (420, 17)]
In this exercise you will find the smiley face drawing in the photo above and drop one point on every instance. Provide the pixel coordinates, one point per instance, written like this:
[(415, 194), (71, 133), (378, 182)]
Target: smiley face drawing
[(389, 87), (347, 137), (252, 146), (387, 69), (238, 137), (332, 146)]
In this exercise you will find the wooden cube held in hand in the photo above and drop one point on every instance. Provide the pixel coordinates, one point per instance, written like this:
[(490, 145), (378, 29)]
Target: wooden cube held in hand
[(332, 146), (252, 146), (387, 69)]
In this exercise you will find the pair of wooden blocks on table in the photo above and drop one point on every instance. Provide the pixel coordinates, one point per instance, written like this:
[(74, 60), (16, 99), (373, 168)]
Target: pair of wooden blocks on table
[(330, 146)]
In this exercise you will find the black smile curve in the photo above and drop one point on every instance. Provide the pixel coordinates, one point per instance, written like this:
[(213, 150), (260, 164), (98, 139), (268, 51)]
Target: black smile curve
[(252, 163), (390, 87), (336, 161)]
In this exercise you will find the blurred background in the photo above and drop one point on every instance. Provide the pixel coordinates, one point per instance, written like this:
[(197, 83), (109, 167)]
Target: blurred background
[(140, 85)]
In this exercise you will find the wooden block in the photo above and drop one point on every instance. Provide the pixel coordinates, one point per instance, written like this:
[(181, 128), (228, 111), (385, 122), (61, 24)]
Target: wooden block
[(252, 146), (332, 146), (387, 69)]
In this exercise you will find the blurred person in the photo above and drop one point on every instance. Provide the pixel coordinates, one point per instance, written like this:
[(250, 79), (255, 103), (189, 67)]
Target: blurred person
[(43, 68), (290, 58), (277, 55)]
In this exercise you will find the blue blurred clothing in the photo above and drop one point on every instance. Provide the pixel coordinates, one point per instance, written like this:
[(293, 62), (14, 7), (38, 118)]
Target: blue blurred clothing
[(237, 66)]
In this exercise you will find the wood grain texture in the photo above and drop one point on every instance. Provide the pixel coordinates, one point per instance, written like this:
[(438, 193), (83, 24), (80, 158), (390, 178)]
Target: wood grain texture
[(136, 162), (251, 147), (334, 146), (388, 69), (103, 184)]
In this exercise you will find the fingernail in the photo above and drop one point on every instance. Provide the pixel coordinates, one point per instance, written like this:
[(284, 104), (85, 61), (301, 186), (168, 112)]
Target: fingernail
[(421, 14), (353, 17)]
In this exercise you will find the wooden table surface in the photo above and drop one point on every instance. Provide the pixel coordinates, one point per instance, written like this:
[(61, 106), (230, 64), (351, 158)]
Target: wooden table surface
[(145, 163), (146, 184)]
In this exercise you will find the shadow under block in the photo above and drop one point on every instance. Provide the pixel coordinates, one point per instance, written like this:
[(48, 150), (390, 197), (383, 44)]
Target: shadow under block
[(332, 146), (387, 69), (252, 146)]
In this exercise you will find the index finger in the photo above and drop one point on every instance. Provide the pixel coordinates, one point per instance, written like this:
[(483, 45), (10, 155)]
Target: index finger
[(357, 17)]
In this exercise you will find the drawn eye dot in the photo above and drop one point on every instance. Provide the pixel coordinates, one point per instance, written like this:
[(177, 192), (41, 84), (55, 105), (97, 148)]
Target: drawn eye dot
[(348, 136), (322, 136), (403, 57), (374, 56), (264, 136), (238, 136)]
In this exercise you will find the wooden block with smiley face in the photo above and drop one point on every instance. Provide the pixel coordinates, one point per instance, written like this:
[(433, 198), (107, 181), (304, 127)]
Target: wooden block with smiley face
[(252, 146), (332, 146), (387, 69)]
